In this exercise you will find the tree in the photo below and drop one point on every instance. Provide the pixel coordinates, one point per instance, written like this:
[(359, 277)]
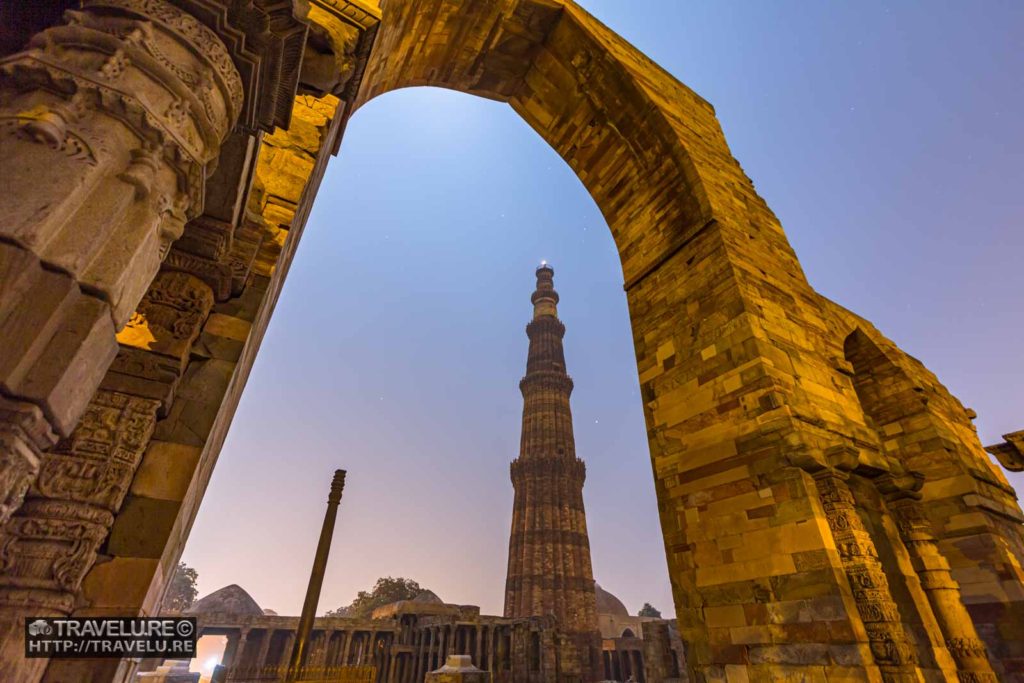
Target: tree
[(182, 591), (386, 591), (648, 610)]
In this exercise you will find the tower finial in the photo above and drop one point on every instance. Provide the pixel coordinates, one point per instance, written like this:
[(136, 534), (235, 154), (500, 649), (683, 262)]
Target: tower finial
[(545, 298)]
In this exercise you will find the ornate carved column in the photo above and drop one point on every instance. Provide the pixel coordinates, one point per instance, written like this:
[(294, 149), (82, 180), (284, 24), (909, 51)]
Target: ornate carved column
[(53, 539), (890, 648), (902, 494), (107, 126)]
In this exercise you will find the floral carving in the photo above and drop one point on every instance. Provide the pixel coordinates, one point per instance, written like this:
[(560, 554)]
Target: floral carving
[(186, 26), (49, 126), (889, 646), (52, 540), (94, 465), (214, 273), (46, 549), (175, 307)]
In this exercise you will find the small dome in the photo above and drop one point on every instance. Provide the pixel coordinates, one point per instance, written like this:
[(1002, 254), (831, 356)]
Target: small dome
[(229, 599), (428, 597), (608, 603)]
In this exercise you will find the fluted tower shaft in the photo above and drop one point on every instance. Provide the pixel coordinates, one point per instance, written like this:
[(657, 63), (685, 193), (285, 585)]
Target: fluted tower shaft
[(549, 569)]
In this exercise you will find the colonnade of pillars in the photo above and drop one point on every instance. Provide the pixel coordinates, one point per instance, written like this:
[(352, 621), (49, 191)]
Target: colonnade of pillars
[(403, 656), (253, 651), (490, 646), (622, 665)]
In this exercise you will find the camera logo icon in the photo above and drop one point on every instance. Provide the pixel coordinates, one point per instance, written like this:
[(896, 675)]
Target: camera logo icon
[(40, 627)]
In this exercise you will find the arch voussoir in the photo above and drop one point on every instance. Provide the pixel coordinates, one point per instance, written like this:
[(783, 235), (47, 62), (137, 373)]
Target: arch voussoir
[(827, 509)]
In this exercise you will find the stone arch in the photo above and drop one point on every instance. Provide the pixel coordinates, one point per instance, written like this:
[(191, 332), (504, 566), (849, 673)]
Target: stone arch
[(893, 386), (690, 231), (927, 432), (747, 392), (553, 65), (628, 633)]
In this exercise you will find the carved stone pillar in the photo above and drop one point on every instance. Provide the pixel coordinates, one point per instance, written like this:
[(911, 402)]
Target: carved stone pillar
[(107, 126), (392, 666), (327, 652), (503, 654), (238, 657), (283, 662), (418, 639), (890, 648), (345, 648), (491, 647), (477, 643), (261, 657), (429, 654), (903, 499), (53, 539), (233, 648)]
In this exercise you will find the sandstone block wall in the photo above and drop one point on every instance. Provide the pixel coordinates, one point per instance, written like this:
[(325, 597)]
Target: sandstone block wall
[(827, 508)]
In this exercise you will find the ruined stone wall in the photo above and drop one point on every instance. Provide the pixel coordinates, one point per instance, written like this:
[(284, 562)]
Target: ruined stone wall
[(827, 509), (402, 648), (148, 444), (103, 524)]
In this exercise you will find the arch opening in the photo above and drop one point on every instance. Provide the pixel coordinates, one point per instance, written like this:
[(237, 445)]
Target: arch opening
[(742, 387)]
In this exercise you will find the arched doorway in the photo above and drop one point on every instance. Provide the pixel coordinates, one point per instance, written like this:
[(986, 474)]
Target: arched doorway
[(744, 391)]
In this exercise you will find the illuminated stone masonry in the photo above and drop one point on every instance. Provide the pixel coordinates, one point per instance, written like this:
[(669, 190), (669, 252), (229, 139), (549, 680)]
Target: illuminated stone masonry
[(827, 508), (549, 567), (405, 640)]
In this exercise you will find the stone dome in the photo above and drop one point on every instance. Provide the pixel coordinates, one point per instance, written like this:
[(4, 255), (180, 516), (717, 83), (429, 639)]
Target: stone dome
[(429, 597), (229, 600), (608, 603)]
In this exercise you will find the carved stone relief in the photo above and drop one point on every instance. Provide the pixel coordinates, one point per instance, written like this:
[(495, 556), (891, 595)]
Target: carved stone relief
[(892, 652)]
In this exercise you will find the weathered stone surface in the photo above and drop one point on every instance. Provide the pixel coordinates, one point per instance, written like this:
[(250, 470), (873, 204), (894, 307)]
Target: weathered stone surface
[(52, 540), (457, 669), (751, 381), (107, 124), (196, 375), (169, 317), (1010, 453), (549, 567), (165, 471)]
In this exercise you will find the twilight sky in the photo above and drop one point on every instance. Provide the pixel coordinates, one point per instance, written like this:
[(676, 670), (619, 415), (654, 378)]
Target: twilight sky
[(886, 136)]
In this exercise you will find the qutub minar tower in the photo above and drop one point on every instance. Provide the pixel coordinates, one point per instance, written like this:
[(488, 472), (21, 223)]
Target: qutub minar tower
[(549, 569)]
